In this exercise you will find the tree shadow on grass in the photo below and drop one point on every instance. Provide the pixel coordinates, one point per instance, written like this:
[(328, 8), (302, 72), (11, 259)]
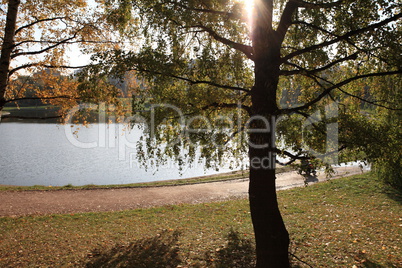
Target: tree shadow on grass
[(370, 264), (393, 193), (157, 252), (238, 253), (309, 179), (366, 263)]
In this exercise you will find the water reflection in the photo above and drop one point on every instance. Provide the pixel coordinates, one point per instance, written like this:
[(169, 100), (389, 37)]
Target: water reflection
[(45, 154)]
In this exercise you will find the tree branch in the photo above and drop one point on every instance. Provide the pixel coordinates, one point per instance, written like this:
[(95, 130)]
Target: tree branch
[(335, 86), (288, 154), (305, 4), (12, 71), (45, 49), (314, 27), (74, 42), (193, 82), (286, 19), (37, 21), (342, 37), (376, 103), (205, 10), (247, 50), (369, 102), (323, 68)]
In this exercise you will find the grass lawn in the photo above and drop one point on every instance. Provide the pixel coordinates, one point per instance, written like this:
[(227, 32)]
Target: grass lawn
[(350, 222)]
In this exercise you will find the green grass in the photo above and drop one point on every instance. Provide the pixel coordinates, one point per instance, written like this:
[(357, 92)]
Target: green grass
[(339, 223)]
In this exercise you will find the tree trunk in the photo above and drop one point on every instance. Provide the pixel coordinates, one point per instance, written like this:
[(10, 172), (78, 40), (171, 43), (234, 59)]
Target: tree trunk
[(271, 236), (7, 48)]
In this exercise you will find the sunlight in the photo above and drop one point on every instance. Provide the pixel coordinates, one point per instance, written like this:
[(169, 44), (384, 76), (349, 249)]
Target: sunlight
[(248, 5)]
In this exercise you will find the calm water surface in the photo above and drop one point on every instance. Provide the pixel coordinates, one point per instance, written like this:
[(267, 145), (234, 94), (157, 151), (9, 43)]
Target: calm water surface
[(47, 154)]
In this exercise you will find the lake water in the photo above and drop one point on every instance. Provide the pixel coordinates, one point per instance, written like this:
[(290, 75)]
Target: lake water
[(54, 155)]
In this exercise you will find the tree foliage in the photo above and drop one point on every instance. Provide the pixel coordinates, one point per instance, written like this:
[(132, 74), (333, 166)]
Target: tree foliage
[(199, 56), (39, 37), (311, 67)]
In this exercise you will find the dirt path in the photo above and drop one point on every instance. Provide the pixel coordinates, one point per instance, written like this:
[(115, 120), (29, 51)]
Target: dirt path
[(73, 201)]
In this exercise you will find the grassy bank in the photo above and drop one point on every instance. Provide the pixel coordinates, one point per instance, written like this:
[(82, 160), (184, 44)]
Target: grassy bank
[(339, 223)]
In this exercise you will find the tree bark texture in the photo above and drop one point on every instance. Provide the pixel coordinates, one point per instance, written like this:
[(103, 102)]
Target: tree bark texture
[(7, 48), (272, 238)]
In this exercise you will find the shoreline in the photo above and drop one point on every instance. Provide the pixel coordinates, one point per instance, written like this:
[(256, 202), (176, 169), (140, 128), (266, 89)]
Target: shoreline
[(219, 177), (23, 203)]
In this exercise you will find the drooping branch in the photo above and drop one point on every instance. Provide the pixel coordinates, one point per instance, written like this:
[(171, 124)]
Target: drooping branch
[(316, 78), (375, 103), (333, 87), (192, 82), (342, 37)]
